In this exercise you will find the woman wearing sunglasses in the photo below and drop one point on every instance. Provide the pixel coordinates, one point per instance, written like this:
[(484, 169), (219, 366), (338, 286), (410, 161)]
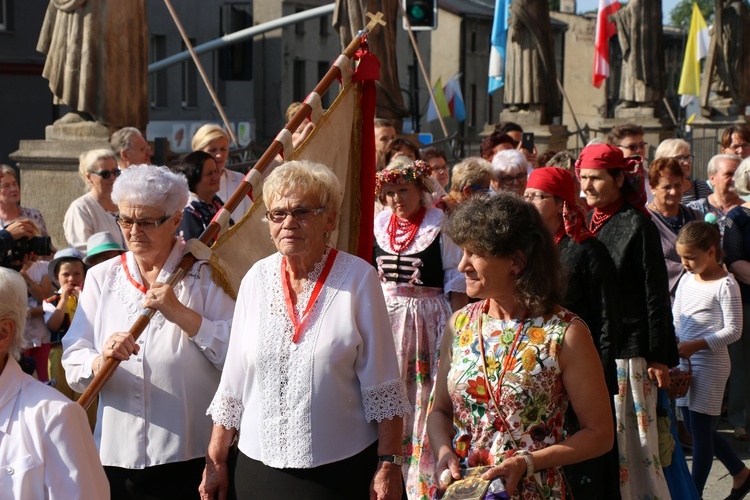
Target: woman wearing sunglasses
[(94, 211)]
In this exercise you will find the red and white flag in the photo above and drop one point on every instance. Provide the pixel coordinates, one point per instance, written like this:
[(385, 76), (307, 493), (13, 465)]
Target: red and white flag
[(605, 29)]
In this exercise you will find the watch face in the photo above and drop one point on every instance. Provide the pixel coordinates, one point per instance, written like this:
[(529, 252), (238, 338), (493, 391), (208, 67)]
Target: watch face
[(398, 460)]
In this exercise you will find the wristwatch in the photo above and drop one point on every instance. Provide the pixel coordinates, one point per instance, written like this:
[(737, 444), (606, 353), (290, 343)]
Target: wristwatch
[(394, 459)]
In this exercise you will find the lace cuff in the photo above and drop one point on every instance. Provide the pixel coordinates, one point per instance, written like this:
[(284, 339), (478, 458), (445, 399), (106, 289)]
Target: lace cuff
[(385, 401), (454, 281), (226, 410)]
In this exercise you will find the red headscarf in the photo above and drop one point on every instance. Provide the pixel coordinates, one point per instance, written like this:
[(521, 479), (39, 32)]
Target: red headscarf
[(559, 182), (606, 156)]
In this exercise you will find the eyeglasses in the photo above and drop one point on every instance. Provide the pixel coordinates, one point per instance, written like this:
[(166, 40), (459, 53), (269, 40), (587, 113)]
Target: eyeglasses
[(684, 158), (532, 197), (106, 174), (440, 168), (479, 188), (508, 179), (634, 147), (298, 214), (743, 146), (144, 224)]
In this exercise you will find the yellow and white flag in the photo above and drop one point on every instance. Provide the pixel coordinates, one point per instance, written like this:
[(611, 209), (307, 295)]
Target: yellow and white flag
[(695, 50)]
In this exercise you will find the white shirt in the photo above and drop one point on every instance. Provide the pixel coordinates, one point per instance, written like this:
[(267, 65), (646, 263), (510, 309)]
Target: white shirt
[(85, 217), (36, 333), (152, 411), (228, 184), (46, 450), (315, 402)]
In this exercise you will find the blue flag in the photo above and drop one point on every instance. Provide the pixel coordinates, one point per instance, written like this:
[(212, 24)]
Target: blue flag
[(498, 42)]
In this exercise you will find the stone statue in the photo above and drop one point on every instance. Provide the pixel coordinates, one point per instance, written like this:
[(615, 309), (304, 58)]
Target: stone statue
[(348, 19), (97, 60), (728, 65), (530, 75), (639, 30)]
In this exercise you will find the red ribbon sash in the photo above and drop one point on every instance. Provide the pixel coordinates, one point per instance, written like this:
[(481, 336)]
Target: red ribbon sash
[(299, 324)]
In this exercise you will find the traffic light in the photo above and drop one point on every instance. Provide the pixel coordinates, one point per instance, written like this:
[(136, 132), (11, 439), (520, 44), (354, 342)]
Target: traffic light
[(422, 14)]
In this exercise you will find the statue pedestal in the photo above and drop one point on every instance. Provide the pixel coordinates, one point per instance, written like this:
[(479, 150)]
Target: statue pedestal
[(554, 137), (49, 170), (655, 129)]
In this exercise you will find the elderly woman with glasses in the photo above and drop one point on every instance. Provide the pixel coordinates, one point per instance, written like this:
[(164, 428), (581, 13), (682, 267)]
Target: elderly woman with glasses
[(311, 381), (152, 430), (591, 294), (510, 169), (203, 177), (679, 150), (94, 211), (417, 267)]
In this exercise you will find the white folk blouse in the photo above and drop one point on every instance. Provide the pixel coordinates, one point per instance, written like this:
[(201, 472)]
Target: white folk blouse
[(46, 450), (315, 402), (152, 411)]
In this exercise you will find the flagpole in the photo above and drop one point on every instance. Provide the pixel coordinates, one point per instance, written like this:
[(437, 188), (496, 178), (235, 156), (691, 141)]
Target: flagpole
[(421, 66), (202, 72), (245, 188)]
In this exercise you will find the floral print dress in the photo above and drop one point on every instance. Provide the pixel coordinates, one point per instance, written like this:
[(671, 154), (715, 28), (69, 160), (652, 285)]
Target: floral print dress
[(532, 397)]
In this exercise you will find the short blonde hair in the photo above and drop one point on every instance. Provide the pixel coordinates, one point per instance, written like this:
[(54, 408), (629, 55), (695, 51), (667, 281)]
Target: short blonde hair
[(669, 147), (291, 110), (304, 177), (8, 170), (89, 158), (471, 171), (207, 134)]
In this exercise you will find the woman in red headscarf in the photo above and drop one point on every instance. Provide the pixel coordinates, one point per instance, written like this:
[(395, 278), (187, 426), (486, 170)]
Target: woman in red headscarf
[(592, 295), (614, 188)]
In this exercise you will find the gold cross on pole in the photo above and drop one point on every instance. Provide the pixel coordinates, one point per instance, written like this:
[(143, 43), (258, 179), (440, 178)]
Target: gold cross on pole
[(375, 19)]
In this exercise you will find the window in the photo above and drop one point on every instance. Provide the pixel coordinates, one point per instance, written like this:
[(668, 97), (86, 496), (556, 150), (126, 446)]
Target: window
[(325, 25), (6, 15), (323, 67), (157, 88), (236, 60), (299, 28), (189, 81), (300, 89)]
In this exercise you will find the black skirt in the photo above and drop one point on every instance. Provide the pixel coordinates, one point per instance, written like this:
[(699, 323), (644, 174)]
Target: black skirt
[(346, 479)]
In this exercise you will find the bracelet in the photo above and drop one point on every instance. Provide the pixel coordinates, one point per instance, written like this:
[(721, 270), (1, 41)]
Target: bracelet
[(529, 462)]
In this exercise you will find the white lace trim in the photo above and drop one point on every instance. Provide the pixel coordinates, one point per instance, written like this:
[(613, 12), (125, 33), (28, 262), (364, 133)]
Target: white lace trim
[(428, 231), (226, 410), (385, 401), (132, 297), (285, 370)]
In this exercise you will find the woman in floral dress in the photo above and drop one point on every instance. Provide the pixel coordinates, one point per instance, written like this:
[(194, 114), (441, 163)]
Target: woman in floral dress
[(417, 268), (511, 363)]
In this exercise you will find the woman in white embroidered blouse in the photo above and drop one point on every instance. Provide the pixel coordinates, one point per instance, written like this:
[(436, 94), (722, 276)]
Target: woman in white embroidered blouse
[(311, 379), (151, 427)]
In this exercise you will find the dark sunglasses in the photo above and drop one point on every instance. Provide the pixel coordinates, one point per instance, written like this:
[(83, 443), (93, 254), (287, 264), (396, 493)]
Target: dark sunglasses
[(106, 174)]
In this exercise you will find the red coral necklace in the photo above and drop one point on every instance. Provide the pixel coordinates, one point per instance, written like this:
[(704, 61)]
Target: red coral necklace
[(403, 231)]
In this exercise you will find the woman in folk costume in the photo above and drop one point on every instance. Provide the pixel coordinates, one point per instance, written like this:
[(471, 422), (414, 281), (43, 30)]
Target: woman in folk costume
[(591, 293), (417, 268), (614, 188)]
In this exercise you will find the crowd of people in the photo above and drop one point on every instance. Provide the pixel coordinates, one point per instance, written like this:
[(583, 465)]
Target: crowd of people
[(517, 327)]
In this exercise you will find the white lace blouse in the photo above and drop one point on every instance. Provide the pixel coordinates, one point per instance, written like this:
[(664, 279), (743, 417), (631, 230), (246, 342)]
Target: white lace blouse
[(152, 411), (316, 402)]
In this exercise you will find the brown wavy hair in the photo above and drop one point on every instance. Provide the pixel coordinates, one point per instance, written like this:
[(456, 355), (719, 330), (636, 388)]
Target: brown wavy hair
[(501, 226)]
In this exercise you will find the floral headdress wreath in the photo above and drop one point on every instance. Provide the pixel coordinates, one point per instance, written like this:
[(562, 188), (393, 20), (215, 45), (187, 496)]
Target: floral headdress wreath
[(417, 171)]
